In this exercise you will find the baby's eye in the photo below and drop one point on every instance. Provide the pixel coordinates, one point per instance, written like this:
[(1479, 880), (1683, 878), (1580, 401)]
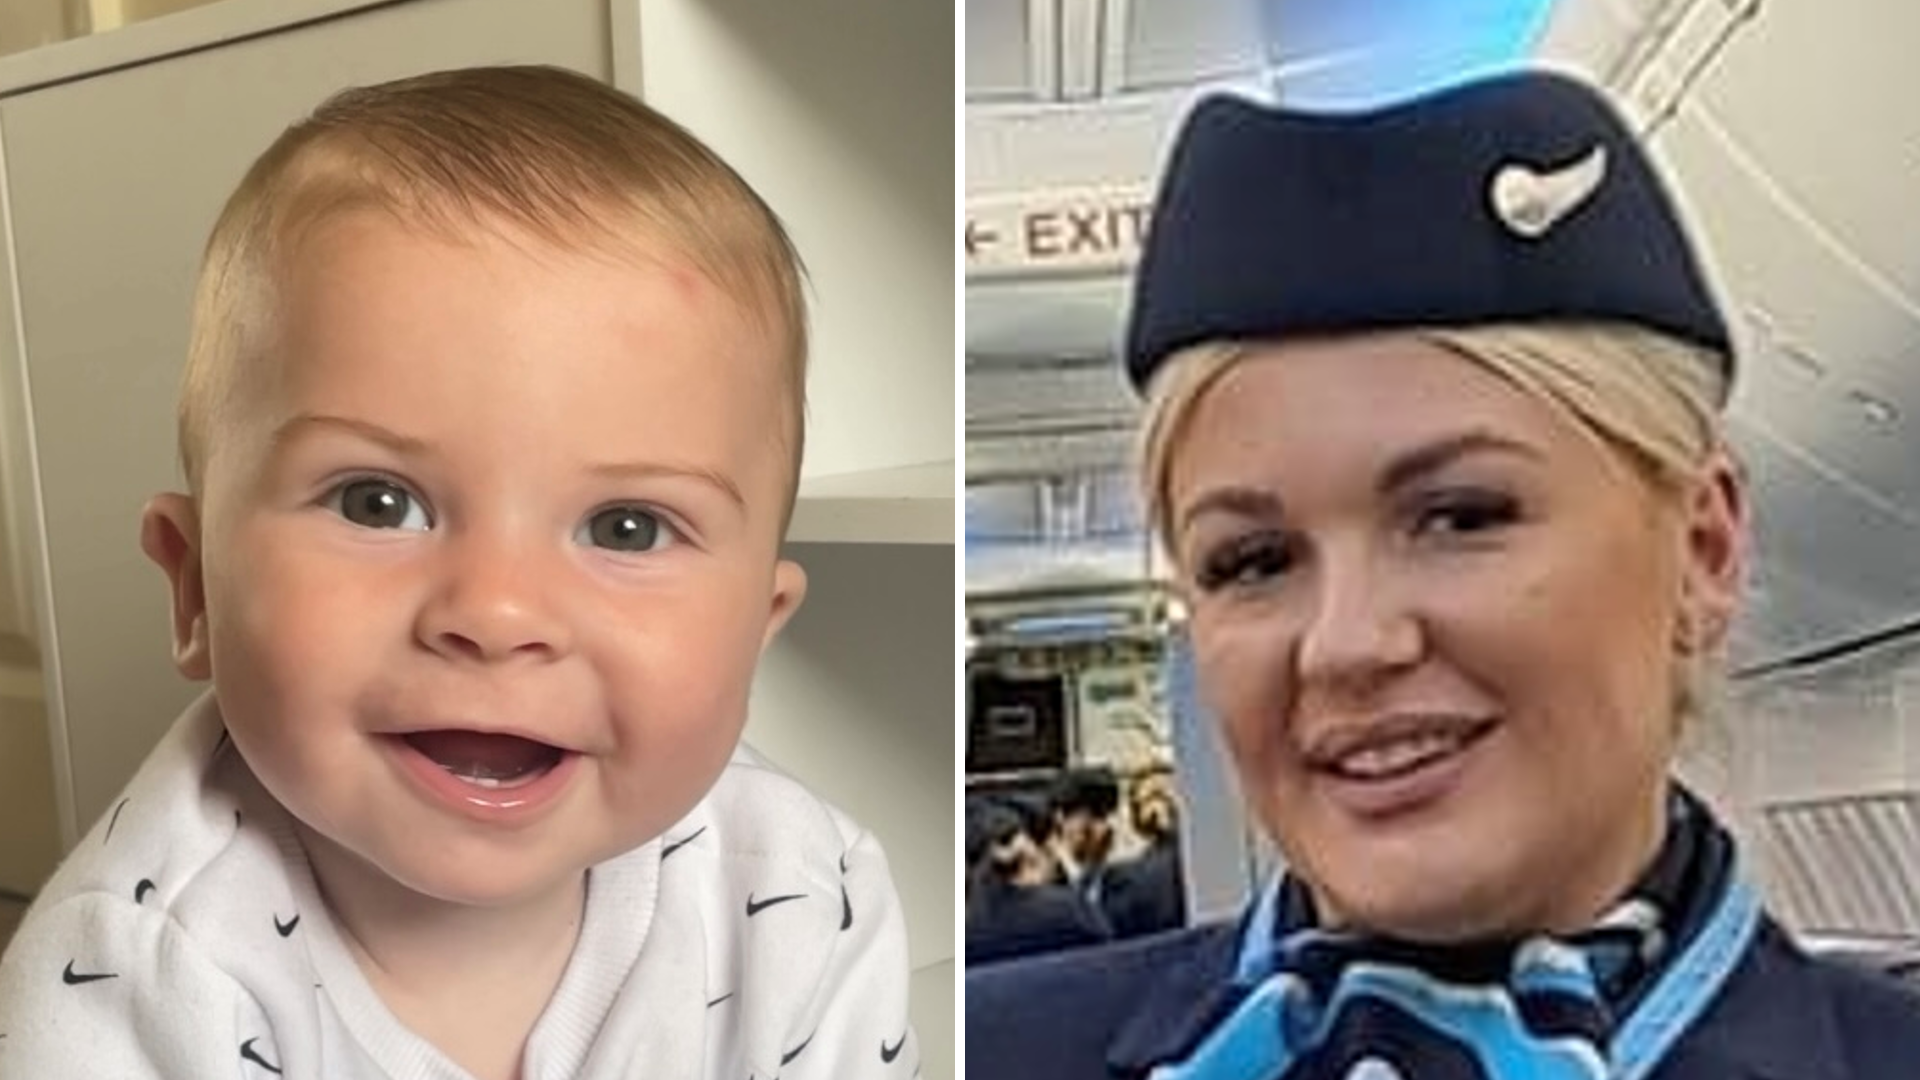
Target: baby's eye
[(625, 528), (379, 504)]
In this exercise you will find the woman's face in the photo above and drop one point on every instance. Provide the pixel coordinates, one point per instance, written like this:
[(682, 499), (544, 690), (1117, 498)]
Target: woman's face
[(1439, 624)]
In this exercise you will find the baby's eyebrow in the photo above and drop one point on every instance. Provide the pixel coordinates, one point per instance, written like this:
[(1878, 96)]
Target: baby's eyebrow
[(646, 470), (366, 429)]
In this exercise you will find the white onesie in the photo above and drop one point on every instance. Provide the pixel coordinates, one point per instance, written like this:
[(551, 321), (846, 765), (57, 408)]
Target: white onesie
[(184, 939)]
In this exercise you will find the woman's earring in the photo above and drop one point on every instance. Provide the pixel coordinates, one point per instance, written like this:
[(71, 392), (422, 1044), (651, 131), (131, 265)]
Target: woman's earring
[(1686, 634), (1695, 633)]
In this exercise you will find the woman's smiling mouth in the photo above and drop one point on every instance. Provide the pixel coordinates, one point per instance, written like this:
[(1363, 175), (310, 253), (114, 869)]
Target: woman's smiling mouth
[(1396, 765)]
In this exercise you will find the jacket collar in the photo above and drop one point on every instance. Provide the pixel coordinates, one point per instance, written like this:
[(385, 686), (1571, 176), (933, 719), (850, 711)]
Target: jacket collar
[(1774, 1020), (1193, 990)]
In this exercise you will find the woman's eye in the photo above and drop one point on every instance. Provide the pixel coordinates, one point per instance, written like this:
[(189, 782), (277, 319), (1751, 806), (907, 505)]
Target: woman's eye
[(625, 528), (379, 504), (1467, 515), (1250, 560)]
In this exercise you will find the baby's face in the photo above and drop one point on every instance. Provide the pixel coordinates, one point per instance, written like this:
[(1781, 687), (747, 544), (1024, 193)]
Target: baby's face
[(487, 576)]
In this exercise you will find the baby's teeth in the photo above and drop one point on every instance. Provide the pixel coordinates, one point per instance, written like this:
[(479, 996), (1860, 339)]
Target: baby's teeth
[(496, 782)]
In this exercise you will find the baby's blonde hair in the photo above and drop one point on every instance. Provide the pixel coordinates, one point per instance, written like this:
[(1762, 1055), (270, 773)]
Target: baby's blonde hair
[(547, 151), (1647, 397)]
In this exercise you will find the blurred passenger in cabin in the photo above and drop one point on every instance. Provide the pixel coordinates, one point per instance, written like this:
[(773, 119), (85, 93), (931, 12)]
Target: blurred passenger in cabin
[(1015, 907), (1146, 894), (1084, 802)]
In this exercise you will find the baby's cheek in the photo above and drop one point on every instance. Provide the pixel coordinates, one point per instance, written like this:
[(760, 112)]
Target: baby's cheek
[(697, 702)]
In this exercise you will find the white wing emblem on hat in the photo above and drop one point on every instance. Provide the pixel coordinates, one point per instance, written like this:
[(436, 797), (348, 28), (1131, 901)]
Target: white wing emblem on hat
[(1529, 203)]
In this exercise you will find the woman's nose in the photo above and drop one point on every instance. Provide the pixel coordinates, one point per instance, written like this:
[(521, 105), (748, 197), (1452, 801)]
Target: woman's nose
[(1360, 627), (494, 600)]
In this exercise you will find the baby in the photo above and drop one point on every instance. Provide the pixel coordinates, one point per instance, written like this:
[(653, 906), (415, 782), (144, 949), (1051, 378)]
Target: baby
[(491, 426)]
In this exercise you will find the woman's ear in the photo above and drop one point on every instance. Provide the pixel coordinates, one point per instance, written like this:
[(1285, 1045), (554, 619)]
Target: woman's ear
[(170, 535), (1715, 523)]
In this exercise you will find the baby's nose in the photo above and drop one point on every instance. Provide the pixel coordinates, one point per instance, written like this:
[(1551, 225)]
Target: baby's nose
[(493, 604)]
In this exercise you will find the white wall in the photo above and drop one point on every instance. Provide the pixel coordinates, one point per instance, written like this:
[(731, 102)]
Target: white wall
[(1806, 740), (1845, 728), (29, 836), (25, 24)]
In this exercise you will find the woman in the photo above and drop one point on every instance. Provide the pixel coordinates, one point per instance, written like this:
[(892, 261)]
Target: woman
[(1433, 443)]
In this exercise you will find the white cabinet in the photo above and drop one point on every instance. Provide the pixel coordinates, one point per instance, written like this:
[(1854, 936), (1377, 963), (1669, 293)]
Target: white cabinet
[(841, 114), (912, 504)]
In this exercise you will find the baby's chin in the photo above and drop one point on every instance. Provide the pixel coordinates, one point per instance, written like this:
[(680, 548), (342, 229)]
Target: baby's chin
[(481, 886), (398, 874)]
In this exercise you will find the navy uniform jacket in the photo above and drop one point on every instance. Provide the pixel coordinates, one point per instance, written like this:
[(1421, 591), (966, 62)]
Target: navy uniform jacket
[(1117, 1011)]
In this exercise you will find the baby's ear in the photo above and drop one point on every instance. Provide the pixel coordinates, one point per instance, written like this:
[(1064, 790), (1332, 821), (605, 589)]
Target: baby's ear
[(789, 589), (170, 535)]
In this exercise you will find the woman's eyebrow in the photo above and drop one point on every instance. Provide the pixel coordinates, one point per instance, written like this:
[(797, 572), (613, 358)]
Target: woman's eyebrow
[(1401, 471), (1246, 502), (1432, 457)]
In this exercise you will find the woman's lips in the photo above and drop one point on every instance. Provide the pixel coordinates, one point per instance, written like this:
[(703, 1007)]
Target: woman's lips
[(1396, 766)]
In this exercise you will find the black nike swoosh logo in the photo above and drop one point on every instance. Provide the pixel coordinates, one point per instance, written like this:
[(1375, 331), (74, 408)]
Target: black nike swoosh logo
[(721, 998), (678, 844), (248, 1053), (114, 820), (141, 890), (795, 1052), (887, 1055), (71, 979), (286, 928), (846, 910), (755, 909)]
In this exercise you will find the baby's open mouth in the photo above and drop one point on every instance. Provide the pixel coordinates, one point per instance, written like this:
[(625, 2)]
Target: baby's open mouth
[(486, 760)]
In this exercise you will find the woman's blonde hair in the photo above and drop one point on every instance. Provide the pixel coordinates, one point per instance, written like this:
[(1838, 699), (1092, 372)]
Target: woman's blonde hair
[(1647, 397), (547, 151)]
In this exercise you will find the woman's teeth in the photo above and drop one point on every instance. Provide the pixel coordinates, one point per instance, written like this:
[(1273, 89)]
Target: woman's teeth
[(1384, 760)]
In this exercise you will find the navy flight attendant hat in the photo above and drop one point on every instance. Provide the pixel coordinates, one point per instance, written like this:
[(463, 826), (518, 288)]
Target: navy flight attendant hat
[(1519, 198)]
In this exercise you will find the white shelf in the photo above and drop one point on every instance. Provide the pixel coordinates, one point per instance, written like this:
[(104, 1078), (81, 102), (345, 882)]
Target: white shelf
[(912, 504)]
